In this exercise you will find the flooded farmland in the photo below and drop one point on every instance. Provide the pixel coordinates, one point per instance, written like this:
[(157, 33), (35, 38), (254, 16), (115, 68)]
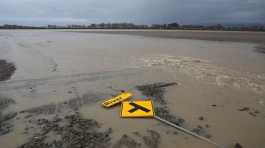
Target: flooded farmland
[(57, 80)]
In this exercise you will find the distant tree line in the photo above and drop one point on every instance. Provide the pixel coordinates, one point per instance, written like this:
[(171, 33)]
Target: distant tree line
[(170, 26), (7, 26)]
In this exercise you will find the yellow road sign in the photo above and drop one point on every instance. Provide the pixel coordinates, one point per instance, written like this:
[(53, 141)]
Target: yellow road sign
[(117, 99), (139, 108)]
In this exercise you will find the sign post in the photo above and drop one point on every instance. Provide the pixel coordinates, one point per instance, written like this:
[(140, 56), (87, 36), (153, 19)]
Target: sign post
[(145, 109), (187, 131)]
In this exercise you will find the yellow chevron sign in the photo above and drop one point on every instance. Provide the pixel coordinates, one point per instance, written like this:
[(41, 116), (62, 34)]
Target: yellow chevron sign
[(139, 108), (117, 99)]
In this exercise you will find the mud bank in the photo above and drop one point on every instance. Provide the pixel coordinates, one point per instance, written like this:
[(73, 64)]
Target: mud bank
[(61, 125), (7, 69), (71, 131), (6, 124)]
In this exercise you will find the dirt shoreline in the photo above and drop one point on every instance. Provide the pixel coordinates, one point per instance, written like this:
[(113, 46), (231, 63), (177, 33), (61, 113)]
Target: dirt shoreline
[(231, 36), (64, 124)]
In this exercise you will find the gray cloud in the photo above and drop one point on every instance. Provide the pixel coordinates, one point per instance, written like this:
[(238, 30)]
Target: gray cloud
[(42, 12)]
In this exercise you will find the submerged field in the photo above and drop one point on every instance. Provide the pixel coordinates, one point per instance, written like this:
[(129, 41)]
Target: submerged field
[(53, 82)]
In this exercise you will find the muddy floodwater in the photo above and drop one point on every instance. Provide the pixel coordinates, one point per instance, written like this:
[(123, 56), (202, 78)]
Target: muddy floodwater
[(54, 82)]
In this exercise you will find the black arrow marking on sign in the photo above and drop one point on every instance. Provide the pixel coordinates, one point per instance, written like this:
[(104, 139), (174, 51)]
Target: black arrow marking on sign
[(136, 107)]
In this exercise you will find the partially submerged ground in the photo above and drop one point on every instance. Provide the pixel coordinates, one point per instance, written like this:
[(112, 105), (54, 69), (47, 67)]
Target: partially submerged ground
[(57, 125), (6, 125), (156, 92), (72, 130), (54, 97), (7, 69), (61, 126), (49, 124)]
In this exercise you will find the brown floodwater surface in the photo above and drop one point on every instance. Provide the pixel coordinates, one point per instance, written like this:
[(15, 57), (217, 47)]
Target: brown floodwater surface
[(221, 85)]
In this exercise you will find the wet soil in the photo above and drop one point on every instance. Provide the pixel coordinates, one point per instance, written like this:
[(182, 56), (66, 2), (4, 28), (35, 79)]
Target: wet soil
[(156, 92), (6, 70), (72, 104), (200, 130), (72, 131), (61, 126), (251, 111), (165, 114), (153, 139), (6, 125), (126, 141)]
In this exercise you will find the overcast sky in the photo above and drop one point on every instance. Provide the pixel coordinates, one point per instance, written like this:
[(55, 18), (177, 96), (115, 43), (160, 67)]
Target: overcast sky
[(60, 12)]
